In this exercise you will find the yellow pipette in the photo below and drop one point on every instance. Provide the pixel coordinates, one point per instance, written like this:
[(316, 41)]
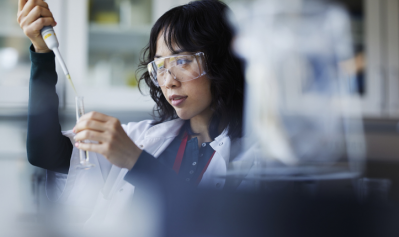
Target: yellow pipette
[(51, 40)]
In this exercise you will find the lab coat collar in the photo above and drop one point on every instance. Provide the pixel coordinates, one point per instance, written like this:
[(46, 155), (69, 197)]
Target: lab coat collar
[(166, 130), (171, 129), (222, 135), (221, 145)]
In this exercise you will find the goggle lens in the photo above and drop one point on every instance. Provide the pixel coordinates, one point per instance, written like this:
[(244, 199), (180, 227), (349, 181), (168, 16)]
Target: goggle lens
[(179, 67)]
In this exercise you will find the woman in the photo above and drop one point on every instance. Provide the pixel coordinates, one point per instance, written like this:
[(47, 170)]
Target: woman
[(197, 84)]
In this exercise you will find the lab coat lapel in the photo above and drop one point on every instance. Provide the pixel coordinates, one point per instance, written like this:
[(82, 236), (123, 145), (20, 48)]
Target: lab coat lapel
[(221, 145), (158, 137), (213, 176)]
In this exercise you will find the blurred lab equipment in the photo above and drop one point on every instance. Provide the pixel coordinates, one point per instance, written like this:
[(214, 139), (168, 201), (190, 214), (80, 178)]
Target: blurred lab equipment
[(299, 109), (372, 189), (125, 13), (8, 58)]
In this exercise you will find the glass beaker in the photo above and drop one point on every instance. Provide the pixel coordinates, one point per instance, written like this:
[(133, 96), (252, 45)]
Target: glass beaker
[(83, 155)]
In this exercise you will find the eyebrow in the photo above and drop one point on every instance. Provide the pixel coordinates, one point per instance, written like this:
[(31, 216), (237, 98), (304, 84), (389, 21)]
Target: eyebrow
[(176, 52)]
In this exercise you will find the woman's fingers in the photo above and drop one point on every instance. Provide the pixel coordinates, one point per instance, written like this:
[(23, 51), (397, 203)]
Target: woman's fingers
[(96, 124), (33, 30), (33, 15), (96, 116), (36, 14), (106, 123), (113, 142), (21, 4), (91, 135), (89, 124), (98, 148), (28, 7)]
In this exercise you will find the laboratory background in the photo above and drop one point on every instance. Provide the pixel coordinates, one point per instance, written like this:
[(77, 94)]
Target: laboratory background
[(102, 41)]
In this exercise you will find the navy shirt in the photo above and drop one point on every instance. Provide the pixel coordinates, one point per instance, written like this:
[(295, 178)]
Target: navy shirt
[(194, 160)]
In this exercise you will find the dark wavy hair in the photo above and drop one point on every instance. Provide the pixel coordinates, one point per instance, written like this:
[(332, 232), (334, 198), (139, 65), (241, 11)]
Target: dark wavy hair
[(201, 26)]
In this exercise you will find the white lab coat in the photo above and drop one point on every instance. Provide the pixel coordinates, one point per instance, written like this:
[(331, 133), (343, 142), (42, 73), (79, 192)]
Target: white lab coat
[(102, 192)]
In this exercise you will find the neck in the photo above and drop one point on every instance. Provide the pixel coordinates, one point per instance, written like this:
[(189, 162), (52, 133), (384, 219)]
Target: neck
[(200, 125)]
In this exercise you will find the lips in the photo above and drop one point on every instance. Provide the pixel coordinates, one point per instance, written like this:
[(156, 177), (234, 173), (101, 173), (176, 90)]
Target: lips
[(177, 99)]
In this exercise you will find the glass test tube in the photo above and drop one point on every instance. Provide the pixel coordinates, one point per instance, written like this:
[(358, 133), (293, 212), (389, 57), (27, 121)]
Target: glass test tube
[(84, 155)]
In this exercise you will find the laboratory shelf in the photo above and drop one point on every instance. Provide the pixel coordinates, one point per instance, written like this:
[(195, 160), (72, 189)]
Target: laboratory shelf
[(117, 39), (121, 44), (119, 30)]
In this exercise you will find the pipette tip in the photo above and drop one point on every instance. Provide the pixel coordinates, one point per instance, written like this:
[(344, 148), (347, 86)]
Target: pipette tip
[(70, 81)]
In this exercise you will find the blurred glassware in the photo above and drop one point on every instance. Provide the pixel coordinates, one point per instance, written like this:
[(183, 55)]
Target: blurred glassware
[(102, 74), (299, 111), (8, 58), (126, 13), (117, 71), (104, 12), (371, 189)]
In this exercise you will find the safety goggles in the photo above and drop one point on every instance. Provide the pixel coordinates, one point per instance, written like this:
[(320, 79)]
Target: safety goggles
[(179, 67)]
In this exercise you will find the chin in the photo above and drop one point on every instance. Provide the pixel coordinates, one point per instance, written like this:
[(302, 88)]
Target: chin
[(184, 114)]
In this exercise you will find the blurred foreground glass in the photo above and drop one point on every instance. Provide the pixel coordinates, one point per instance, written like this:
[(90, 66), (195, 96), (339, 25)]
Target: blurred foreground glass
[(299, 112), (84, 155), (373, 189)]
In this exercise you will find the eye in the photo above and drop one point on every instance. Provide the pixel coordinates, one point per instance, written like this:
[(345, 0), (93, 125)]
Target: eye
[(182, 61)]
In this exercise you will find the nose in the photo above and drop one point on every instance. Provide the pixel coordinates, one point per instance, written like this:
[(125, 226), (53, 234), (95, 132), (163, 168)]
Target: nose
[(170, 81)]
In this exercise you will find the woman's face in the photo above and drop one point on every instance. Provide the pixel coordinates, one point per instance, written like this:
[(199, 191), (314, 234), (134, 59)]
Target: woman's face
[(189, 99)]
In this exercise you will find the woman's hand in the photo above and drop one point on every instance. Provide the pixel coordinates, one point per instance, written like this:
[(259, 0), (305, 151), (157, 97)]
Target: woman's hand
[(33, 15), (113, 142)]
